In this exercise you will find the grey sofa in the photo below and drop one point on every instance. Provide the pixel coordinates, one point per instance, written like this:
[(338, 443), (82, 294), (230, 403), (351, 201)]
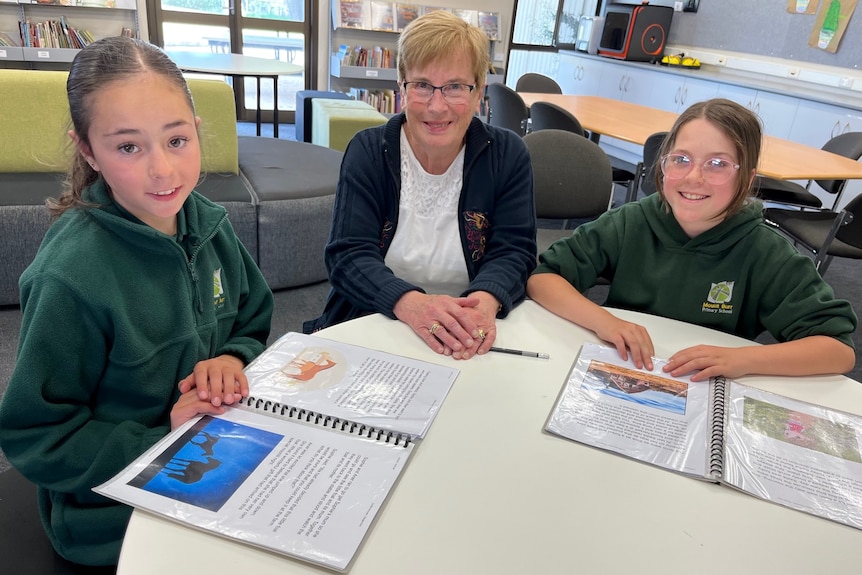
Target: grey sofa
[(278, 193)]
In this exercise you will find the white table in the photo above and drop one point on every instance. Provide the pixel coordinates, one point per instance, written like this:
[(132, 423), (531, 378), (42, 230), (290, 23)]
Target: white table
[(239, 65), (488, 492)]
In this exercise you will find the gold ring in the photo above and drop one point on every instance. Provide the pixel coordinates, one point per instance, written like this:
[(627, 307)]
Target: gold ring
[(482, 334), (434, 327)]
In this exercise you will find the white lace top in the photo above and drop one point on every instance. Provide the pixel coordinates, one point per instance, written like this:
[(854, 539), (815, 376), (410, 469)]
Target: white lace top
[(426, 249)]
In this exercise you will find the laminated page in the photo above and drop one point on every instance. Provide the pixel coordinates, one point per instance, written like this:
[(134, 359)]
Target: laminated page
[(647, 415), (794, 453), (288, 487), (301, 373)]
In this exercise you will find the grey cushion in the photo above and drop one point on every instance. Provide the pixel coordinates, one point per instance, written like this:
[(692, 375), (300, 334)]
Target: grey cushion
[(235, 194), (29, 188), (22, 230), (295, 187)]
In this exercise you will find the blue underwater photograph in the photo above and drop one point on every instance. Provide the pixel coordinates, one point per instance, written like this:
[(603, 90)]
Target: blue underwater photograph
[(208, 463)]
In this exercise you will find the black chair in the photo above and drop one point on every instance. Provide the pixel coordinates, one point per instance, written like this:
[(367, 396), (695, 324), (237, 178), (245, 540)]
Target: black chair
[(792, 194), (24, 546), (572, 180), (545, 116), (532, 82), (824, 233), (506, 109), (548, 116), (652, 146)]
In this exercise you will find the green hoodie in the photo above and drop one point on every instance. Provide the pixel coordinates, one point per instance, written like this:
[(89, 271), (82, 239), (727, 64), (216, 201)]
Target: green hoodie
[(740, 277), (115, 313)]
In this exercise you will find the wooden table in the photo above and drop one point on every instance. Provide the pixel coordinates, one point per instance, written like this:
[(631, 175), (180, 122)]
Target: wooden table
[(239, 65), (779, 158)]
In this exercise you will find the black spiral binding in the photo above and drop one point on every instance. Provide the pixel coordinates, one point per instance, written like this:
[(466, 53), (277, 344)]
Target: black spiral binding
[(716, 441), (344, 425)]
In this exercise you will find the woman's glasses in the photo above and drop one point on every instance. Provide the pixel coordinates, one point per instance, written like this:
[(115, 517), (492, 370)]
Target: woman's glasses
[(714, 171), (453, 93)]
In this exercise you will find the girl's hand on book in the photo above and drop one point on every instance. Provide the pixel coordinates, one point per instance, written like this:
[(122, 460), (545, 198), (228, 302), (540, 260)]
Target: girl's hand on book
[(707, 361), (189, 405), (219, 380), (628, 338)]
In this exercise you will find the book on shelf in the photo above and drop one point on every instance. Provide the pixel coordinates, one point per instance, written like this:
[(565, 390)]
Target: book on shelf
[(468, 16), (489, 22), (305, 463), (6, 40), (53, 34), (352, 14), (404, 14), (384, 101), (374, 57), (429, 9), (793, 453), (382, 16)]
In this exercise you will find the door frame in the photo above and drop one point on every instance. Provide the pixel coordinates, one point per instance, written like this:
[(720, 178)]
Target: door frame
[(236, 22)]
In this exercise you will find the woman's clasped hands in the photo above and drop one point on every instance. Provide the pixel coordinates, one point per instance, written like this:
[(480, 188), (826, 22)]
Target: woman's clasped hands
[(458, 326)]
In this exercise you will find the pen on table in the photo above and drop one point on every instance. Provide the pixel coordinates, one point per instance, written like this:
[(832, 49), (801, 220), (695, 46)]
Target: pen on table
[(540, 355)]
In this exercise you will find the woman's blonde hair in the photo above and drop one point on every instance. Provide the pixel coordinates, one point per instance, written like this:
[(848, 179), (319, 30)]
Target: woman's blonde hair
[(435, 37)]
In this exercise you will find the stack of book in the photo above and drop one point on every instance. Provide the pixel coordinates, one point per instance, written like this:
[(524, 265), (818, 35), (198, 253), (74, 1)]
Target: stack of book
[(375, 57), (53, 34), (385, 101)]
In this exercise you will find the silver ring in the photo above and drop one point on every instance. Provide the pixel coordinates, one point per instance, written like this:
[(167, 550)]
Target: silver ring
[(434, 327)]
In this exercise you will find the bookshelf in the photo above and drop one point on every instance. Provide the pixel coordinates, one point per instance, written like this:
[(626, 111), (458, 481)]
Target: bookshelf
[(91, 18), (374, 25)]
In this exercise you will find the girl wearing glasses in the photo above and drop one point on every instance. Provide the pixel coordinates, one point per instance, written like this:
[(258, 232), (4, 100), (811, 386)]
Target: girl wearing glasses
[(434, 221), (698, 251)]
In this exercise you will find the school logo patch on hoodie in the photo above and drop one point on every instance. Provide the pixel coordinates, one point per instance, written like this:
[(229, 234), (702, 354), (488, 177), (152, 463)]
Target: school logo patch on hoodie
[(218, 289), (719, 297)]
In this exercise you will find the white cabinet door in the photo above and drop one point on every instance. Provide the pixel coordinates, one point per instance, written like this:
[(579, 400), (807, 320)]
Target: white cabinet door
[(817, 123), (589, 76), (776, 112), (567, 73), (636, 85), (740, 95), (694, 90), (579, 75), (612, 83), (662, 91), (621, 82), (671, 92)]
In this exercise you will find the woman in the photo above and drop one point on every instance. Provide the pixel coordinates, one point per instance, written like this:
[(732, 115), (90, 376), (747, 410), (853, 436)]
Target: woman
[(698, 251), (434, 221)]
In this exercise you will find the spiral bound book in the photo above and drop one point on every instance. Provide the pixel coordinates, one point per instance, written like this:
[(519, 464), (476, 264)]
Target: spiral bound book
[(793, 453), (303, 466)]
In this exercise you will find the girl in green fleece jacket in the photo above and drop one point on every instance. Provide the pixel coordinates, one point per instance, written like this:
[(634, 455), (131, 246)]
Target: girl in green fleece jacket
[(698, 251), (141, 307)]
